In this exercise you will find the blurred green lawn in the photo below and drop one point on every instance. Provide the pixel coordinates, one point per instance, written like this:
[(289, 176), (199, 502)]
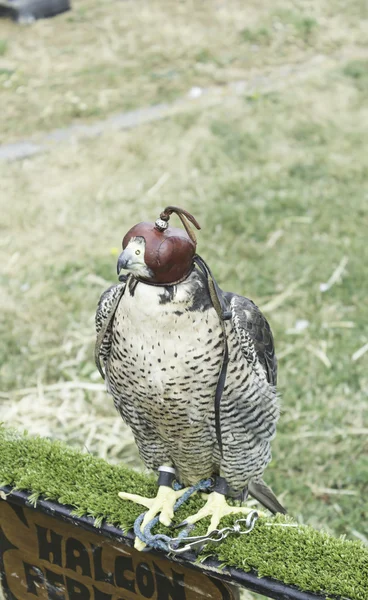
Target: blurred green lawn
[(277, 179)]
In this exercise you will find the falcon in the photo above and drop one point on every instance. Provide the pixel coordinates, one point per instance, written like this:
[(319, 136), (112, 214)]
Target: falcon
[(192, 370)]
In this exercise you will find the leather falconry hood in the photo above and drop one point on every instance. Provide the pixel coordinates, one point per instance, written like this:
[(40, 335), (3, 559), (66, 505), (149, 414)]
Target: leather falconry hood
[(169, 251)]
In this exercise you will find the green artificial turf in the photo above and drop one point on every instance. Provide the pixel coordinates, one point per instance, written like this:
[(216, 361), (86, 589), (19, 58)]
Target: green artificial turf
[(298, 555)]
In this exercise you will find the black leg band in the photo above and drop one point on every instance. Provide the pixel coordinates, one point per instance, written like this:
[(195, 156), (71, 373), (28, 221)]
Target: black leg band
[(220, 486), (166, 476)]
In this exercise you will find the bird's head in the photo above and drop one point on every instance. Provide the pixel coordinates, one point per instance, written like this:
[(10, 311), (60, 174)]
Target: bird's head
[(158, 253)]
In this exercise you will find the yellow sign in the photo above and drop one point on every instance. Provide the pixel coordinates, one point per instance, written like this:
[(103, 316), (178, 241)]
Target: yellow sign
[(43, 557)]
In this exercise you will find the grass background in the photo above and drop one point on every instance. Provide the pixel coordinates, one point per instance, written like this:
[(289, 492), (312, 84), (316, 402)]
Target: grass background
[(275, 173)]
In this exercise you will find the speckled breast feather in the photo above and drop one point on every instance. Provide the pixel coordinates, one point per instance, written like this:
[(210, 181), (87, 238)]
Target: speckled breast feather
[(162, 355)]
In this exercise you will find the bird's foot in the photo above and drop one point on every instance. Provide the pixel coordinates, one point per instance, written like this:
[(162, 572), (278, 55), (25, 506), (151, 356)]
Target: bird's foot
[(163, 504), (216, 507)]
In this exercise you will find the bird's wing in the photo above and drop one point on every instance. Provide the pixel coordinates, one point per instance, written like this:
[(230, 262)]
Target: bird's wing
[(252, 328), (104, 316), (256, 340)]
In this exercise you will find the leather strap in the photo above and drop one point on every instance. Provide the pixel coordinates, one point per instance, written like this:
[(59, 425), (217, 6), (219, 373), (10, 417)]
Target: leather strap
[(105, 325), (154, 283), (224, 315), (183, 215)]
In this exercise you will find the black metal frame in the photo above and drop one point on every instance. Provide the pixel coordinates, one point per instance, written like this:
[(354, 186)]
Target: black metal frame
[(270, 588)]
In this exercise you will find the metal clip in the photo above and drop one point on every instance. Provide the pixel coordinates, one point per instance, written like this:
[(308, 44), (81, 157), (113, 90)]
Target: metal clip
[(215, 536)]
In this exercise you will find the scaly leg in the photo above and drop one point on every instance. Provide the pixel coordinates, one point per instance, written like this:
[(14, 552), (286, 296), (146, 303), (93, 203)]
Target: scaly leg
[(216, 507)]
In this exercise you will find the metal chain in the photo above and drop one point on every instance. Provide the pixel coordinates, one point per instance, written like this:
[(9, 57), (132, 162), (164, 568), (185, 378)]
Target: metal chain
[(215, 536), (184, 542)]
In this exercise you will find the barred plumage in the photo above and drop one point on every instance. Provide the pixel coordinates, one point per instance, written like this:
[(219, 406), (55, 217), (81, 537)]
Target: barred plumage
[(162, 355)]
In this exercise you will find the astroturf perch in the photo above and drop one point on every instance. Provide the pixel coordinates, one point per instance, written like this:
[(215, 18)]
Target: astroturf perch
[(297, 556), (192, 370)]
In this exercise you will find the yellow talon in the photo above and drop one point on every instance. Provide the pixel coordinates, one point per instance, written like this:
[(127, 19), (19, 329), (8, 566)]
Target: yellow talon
[(163, 504), (216, 507)]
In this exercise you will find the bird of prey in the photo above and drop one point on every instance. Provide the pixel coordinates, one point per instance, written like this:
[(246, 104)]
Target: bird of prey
[(191, 369)]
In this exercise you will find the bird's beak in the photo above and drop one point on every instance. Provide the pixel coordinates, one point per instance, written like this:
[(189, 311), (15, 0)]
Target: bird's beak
[(123, 260)]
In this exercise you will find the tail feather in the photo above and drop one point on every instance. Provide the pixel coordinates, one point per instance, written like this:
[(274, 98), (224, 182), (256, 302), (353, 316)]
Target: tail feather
[(261, 492)]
